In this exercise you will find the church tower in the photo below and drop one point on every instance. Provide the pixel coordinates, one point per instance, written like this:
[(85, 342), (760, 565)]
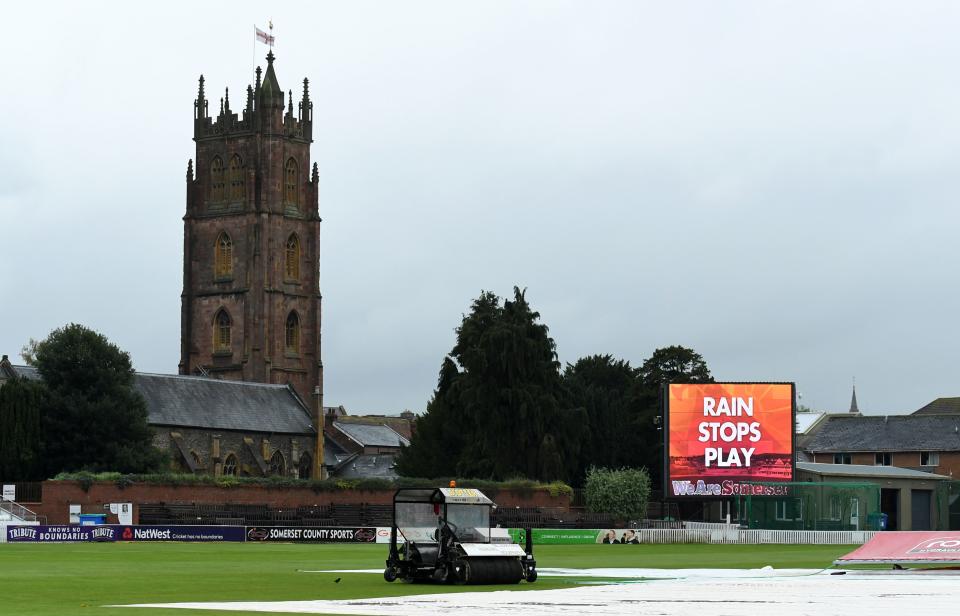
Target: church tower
[(251, 281)]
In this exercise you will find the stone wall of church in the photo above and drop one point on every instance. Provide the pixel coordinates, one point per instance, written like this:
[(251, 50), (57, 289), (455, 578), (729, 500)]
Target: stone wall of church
[(211, 450)]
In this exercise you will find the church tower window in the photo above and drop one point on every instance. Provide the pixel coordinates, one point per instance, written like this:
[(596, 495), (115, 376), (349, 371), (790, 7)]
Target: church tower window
[(216, 179), (222, 325), (235, 178), (223, 256), (292, 263), (291, 180), (293, 333)]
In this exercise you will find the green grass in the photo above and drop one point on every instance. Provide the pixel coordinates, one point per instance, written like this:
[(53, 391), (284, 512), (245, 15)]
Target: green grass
[(69, 579)]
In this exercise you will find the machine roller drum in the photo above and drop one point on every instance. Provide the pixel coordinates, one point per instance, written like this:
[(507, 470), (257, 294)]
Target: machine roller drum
[(492, 570)]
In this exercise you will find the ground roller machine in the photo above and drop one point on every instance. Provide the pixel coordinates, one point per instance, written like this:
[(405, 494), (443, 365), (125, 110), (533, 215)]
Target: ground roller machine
[(443, 535)]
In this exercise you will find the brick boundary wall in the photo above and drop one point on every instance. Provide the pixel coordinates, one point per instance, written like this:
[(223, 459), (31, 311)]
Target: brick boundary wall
[(59, 495)]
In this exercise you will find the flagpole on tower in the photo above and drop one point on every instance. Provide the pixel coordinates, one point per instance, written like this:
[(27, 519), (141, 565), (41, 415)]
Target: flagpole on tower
[(270, 23)]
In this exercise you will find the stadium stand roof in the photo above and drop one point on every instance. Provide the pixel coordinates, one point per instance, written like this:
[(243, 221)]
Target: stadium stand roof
[(371, 435), (940, 406), (851, 433)]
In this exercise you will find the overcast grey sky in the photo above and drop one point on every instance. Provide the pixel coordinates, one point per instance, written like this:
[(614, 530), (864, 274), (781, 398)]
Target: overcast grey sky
[(771, 183)]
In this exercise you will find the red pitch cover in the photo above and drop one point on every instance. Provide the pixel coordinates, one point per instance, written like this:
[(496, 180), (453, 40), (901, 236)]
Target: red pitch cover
[(907, 547)]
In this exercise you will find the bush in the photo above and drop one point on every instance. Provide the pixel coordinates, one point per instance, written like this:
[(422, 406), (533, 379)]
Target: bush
[(623, 493)]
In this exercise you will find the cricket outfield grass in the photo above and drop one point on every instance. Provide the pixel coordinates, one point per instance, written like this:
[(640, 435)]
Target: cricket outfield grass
[(81, 579)]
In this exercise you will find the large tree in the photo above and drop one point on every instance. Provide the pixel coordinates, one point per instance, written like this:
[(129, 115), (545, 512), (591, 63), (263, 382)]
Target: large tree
[(92, 417), (606, 388), (20, 433), (499, 410), (673, 364)]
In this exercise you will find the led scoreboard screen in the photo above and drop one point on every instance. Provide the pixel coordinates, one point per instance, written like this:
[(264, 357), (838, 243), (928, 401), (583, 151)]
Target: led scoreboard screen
[(722, 435)]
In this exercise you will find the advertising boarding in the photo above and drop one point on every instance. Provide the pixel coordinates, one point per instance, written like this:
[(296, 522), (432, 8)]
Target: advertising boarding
[(720, 437)]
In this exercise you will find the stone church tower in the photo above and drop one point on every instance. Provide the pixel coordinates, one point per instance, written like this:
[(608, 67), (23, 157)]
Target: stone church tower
[(251, 287)]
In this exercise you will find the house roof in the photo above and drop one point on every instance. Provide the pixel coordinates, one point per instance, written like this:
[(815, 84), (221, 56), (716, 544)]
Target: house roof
[(367, 465), (368, 435), (849, 433), (198, 402), (807, 420), (865, 471), (25, 372), (940, 406)]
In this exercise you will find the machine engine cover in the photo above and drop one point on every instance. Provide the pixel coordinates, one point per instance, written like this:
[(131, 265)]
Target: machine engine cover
[(491, 549)]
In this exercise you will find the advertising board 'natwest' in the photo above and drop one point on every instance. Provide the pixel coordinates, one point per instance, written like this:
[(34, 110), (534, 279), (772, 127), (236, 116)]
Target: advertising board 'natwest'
[(722, 435)]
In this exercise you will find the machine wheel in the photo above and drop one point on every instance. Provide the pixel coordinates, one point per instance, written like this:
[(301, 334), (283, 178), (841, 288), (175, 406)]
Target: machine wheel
[(532, 575), (390, 574)]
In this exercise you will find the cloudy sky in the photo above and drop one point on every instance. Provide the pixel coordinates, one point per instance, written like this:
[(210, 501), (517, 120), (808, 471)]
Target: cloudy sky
[(771, 183)]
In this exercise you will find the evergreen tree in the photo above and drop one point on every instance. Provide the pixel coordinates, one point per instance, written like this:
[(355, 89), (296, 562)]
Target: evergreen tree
[(20, 435), (498, 410), (92, 417), (607, 390), (673, 364)]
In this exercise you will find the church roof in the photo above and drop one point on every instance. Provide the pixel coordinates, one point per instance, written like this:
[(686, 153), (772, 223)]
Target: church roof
[(197, 402), (850, 433)]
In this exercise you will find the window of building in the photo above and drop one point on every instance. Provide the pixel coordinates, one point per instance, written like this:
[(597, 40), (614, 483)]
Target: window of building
[(291, 267), (293, 333), (842, 458), (305, 467), (216, 179), (278, 466), (789, 510), (236, 186), (882, 459), (223, 256), (221, 332), (230, 466), (929, 458), (291, 176), (834, 508)]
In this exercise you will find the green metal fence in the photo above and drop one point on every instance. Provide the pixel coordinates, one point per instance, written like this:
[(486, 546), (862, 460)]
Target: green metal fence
[(809, 506)]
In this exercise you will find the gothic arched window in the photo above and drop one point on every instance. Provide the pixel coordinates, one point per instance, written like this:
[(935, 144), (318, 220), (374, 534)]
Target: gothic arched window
[(291, 180), (222, 325), (278, 466), (216, 179), (230, 465), (223, 256), (293, 333), (305, 467), (237, 188), (291, 266)]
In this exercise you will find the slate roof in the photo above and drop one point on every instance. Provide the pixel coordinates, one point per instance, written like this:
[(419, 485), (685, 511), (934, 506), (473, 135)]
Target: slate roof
[(850, 433), (26, 372), (371, 435), (368, 465), (197, 402), (940, 406), (866, 471)]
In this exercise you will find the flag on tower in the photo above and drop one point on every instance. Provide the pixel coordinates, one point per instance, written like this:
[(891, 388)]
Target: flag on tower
[(263, 37)]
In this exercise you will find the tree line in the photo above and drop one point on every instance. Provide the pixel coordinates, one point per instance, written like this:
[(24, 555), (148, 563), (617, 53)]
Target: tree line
[(83, 414), (504, 408)]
